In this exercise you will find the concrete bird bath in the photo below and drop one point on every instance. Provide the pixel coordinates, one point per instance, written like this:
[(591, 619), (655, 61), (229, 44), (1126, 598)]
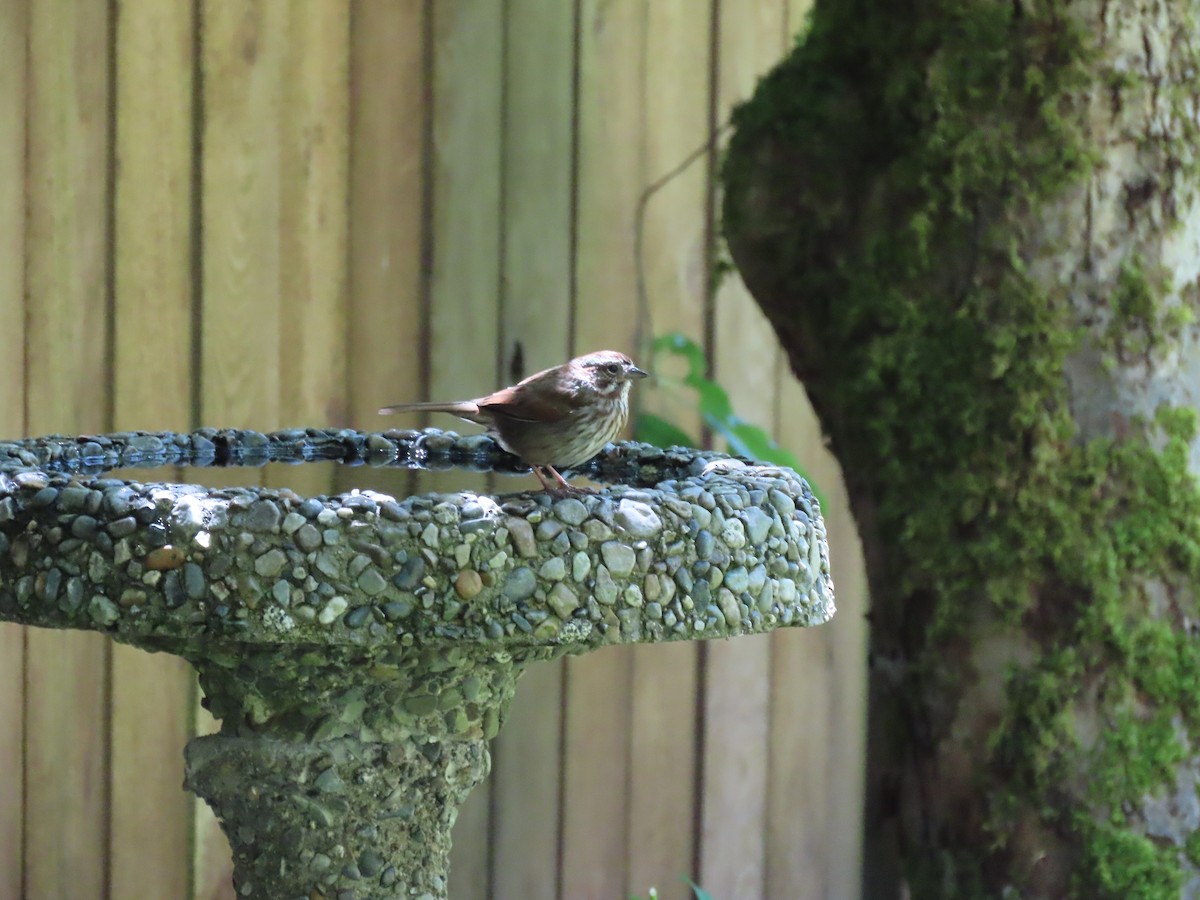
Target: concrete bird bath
[(360, 651)]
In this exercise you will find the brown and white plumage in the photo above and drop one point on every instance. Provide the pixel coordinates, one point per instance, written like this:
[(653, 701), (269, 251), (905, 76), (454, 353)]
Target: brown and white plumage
[(558, 417)]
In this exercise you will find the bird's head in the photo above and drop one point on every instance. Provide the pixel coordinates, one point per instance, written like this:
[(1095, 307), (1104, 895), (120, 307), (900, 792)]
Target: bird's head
[(608, 371)]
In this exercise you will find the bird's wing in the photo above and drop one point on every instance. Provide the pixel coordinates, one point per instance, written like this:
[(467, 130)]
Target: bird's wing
[(536, 399)]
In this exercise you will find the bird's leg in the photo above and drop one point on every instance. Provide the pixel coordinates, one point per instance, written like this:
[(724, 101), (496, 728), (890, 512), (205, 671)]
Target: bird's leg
[(562, 487), (537, 470)]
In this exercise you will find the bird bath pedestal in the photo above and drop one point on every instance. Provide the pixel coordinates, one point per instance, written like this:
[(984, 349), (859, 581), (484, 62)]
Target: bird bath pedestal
[(360, 651)]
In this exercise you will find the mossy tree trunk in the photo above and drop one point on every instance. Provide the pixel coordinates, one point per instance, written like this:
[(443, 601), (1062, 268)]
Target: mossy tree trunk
[(975, 227)]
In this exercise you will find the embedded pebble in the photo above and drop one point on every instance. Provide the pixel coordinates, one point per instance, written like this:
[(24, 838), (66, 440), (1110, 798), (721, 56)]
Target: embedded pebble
[(758, 525), (549, 529), (327, 564), (683, 578), (83, 527), (468, 584), (270, 563), (651, 587), (103, 611), (31, 480), (357, 565), (292, 522), (522, 536), (307, 537), (50, 585), (784, 504), (729, 607), (758, 578), (581, 564), (329, 782), (330, 612), (429, 536), (370, 863), (733, 533), (161, 559), (737, 579), (605, 590), (311, 508), (282, 593), (410, 574), (619, 558), (638, 519), (570, 511), (553, 569), (786, 590), (264, 515), (193, 581), (563, 601), (520, 584), (597, 531), (395, 610), (704, 544), (120, 528), (371, 583)]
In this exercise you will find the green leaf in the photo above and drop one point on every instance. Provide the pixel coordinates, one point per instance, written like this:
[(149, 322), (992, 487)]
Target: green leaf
[(714, 402), (716, 410), (680, 345), (658, 431), (700, 893)]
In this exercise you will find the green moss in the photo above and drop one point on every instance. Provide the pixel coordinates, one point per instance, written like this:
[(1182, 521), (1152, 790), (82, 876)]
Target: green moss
[(1145, 312), (912, 151), (1192, 847), (1120, 864)]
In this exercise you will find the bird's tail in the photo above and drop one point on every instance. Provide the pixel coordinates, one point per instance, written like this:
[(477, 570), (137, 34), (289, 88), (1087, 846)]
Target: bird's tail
[(468, 409)]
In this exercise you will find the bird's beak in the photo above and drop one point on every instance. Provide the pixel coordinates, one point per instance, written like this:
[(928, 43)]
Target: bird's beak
[(635, 372)]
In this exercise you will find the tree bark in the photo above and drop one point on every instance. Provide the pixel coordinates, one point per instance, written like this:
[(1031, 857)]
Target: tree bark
[(974, 227)]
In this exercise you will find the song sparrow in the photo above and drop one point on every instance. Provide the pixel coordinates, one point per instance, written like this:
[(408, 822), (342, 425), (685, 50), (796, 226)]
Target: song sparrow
[(560, 417)]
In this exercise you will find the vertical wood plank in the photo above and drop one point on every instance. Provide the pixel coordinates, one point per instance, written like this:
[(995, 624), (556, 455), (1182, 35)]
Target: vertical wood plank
[(14, 24), (847, 695), (314, 146), (152, 694), (800, 853), (244, 45), (664, 722), (609, 178), (535, 317), (737, 673), (387, 225), (66, 826), (14, 31), (465, 280), (818, 699)]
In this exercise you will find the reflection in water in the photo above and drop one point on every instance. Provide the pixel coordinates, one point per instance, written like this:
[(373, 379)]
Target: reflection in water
[(312, 479)]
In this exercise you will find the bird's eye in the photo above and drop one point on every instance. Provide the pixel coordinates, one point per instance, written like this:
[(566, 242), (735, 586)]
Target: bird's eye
[(613, 368)]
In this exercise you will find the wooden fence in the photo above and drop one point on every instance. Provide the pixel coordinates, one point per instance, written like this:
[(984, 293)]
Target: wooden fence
[(288, 212)]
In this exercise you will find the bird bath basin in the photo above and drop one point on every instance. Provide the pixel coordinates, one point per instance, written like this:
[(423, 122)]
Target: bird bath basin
[(360, 650)]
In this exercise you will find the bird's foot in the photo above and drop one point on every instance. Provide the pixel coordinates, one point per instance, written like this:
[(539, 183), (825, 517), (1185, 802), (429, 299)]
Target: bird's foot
[(560, 488), (561, 492)]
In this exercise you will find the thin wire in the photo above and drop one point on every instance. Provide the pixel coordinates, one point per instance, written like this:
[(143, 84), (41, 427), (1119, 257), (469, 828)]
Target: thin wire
[(639, 225)]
